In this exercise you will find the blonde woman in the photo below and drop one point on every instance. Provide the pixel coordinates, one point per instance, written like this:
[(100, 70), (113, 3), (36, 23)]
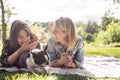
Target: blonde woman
[(65, 49)]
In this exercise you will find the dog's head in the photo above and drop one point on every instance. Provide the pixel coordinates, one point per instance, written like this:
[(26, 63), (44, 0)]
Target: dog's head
[(39, 56)]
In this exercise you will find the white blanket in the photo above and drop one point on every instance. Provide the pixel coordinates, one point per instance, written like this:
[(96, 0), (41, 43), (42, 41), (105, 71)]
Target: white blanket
[(93, 67)]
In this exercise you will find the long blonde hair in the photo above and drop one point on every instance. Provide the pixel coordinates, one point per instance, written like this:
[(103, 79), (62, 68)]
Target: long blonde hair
[(66, 25)]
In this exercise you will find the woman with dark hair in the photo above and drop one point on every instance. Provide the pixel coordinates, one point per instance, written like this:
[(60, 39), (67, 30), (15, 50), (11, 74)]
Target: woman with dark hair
[(21, 39)]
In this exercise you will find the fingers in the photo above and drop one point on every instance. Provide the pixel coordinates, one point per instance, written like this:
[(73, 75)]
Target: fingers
[(63, 58), (29, 45), (68, 64), (67, 57), (32, 46), (51, 26), (42, 37), (33, 43), (64, 54)]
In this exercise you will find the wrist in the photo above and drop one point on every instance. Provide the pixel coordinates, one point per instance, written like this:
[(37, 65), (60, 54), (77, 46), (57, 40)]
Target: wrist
[(56, 63), (20, 50), (73, 65), (60, 62)]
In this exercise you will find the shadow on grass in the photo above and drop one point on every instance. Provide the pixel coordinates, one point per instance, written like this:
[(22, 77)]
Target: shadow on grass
[(70, 77)]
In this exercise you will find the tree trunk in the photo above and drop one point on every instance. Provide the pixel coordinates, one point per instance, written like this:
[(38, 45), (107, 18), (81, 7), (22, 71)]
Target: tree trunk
[(3, 22)]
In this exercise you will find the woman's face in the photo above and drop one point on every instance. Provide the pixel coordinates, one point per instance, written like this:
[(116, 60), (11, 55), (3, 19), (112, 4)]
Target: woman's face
[(23, 37), (59, 35)]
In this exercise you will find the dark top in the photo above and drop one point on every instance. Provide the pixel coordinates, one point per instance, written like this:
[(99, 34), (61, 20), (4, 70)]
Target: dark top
[(6, 52)]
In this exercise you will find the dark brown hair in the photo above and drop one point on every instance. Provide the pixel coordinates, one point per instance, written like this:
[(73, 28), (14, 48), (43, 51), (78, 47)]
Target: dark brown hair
[(16, 26)]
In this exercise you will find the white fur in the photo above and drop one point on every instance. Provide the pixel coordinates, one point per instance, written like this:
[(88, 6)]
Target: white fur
[(46, 57), (0, 64), (44, 64), (30, 62), (36, 50)]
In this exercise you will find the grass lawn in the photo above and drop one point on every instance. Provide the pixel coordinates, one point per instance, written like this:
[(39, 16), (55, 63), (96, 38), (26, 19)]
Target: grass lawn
[(105, 51), (89, 51), (38, 76)]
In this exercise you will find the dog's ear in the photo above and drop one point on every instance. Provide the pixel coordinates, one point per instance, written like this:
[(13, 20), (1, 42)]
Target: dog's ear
[(45, 47)]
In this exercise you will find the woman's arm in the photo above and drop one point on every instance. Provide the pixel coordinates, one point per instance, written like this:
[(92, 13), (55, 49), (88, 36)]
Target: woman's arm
[(8, 58), (24, 47), (5, 54), (53, 59), (69, 61), (59, 62), (79, 57), (11, 59), (77, 61), (51, 26), (51, 50)]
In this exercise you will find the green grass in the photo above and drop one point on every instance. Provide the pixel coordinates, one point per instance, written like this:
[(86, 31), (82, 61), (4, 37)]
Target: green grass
[(104, 51), (38, 76)]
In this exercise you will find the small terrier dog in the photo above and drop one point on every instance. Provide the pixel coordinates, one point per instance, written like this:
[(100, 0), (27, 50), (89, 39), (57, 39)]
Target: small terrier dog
[(35, 58)]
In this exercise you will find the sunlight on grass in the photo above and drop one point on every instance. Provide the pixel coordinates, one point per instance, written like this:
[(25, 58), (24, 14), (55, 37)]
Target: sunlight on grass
[(0, 50), (39, 76), (51, 78), (105, 51)]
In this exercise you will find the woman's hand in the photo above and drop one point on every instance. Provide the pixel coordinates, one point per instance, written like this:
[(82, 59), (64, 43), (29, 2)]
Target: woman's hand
[(65, 60), (24, 46), (70, 65), (50, 26), (32, 45), (69, 61), (28, 46), (60, 62), (62, 59), (43, 37)]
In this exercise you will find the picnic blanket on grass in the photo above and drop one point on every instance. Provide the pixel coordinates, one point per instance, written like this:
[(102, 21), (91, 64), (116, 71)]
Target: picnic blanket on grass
[(96, 66)]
